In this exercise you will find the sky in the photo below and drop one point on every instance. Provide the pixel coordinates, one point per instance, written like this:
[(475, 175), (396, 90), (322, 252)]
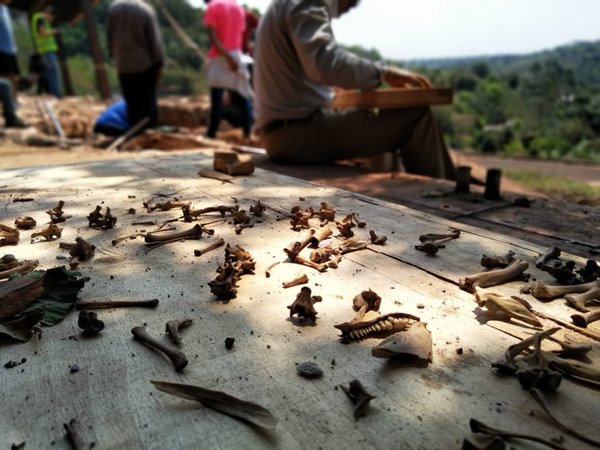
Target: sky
[(408, 29)]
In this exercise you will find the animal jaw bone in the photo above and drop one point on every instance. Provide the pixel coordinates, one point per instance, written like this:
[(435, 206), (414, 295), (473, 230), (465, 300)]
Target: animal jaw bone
[(368, 299), (415, 341), (51, 233), (359, 397), (493, 277), (543, 291), (581, 300), (25, 223), (173, 327), (552, 253), (303, 307), (493, 262), (371, 325), (501, 307)]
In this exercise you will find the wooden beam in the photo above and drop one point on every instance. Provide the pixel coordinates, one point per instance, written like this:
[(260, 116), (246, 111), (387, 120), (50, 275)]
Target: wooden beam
[(90, 26), (392, 98)]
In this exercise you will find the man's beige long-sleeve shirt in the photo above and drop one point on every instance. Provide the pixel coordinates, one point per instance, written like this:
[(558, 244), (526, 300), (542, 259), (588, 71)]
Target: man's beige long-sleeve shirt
[(134, 40), (297, 60)]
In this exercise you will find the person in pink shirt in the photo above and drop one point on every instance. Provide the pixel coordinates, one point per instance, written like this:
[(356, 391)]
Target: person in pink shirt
[(226, 72)]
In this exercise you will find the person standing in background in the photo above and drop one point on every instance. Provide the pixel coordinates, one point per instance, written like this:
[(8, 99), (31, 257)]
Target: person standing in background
[(47, 48), (226, 72), (9, 65), (135, 45)]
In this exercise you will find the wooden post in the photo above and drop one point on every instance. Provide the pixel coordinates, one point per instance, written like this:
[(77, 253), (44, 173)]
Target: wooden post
[(463, 179), (492, 184), (90, 26), (64, 68)]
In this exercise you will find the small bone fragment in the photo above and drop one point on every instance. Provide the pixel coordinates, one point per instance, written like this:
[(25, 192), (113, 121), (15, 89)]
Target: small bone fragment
[(51, 233), (117, 304), (218, 243), (359, 397), (580, 301), (538, 373), (455, 234), (308, 263), (352, 245), (508, 363), (501, 307), (178, 359), (25, 223), (552, 253), (368, 299), (326, 212), (296, 247), (542, 291), (493, 277), (430, 247), (8, 235), (377, 240), (89, 323), (173, 327), (415, 341), (303, 307), (299, 218), (222, 402), (584, 319), (321, 255), (75, 437), (302, 279), (81, 250), (320, 235), (193, 233), (268, 271), (56, 214), (493, 262), (22, 268), (258, 209), (309, 369), (571, 349), (480, 427), (345, 226), (166, 206)]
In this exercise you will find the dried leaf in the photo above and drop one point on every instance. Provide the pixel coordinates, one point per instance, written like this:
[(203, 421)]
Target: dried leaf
[(222, 402)]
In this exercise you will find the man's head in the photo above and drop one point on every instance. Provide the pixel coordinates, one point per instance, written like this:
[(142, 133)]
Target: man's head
[(346, 5), (49, 12)]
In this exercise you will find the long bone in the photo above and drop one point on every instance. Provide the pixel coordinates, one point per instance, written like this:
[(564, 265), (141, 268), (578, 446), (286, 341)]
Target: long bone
[(493, 277), (584, 319), (580, 301), (552, 253), (493, 262), (193, 233), (543, 291), (178, 359)]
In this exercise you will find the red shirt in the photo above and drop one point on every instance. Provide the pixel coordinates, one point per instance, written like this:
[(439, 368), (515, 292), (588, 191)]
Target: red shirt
[(228, 20)]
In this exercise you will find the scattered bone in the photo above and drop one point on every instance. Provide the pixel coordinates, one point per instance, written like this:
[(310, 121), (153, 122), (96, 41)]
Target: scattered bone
[(57, 214), (345, 226), (580, 301), (500, 307), (97, 220), (8, 235), (193, 233), (493, 277), (326, 212), (51, 233), (563, 271), (359, 397), (178, 359), (9, 265), (308, 263), (300, 217), (368, 299), (584, 319), (173, 327), (431, 247), (218, 243), (537, 373), (431, 243), (168, 205), (237, 263), (242, 221), (90, 324), (302, 279), (377, 240), (222, 402), (370, 325), (321, 255), (25, 223), (542, 291), (210, 173), (296, 247), (268, 271), (117, 304), (189, 215), (494, 262), (303, 307), (455, 234), (258, 209), (359, 223), (81, 250), (552, 253), (415, 341), (480, 427), (309, 369), (352, 245), (569, 349), (75, 436)]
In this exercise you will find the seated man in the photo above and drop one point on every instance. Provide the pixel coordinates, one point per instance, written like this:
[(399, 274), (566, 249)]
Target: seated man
[(296, 62), (114, 120), (11, 120)]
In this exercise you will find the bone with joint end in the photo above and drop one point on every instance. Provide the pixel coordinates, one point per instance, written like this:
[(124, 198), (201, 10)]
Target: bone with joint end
[(308, 263), (552, 253), (493, 262), (543, 291), (21, 268), (320, 235), (580, 301), (493, 277), (584, 319), (193, 233), (178, 359), (117, 304), (455, 234), (296, 247), (511, 307), (302, 279), (218, 243), (173, 327)]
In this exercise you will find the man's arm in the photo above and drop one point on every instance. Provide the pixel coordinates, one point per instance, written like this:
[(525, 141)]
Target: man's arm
[(214, 39), (42, 29)]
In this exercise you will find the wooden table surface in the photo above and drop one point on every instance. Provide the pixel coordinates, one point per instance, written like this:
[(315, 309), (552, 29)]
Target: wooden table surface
[(417, 406)]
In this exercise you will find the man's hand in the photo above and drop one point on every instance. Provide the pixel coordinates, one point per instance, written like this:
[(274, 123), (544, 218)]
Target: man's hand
[(403, 78), (232, 63)]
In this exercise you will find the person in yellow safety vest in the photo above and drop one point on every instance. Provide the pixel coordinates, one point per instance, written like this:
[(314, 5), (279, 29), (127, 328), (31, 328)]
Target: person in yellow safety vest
[(46, 47)]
